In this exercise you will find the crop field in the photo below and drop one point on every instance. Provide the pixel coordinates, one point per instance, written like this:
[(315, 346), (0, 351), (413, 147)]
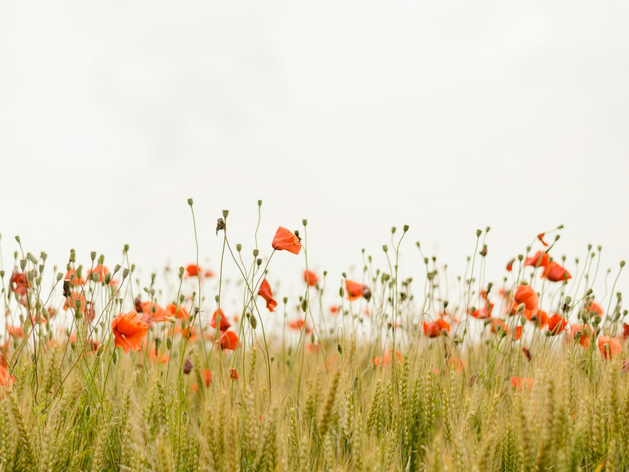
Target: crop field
[(524, 370)]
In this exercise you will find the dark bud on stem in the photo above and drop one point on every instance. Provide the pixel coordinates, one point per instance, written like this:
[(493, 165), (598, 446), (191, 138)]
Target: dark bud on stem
[(220, 225), (187, 366), (366, 293)]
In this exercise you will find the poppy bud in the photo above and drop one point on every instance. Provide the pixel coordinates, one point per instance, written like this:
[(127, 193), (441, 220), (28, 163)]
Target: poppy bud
[(259, 262), (259, 203), (117, 268), (190, 201), (23, 264), (254, 322), (238, 247), (483, 252), (520, 257), (169, 344), (171, 319), (17, 238), (217, 298), (340, 349), (312, 338), (304, 222), (108, 278), (522, 320), (622, 263), (366, 293), (115, 356), (341, 292), (405, 228), (304, 305), (478, 232), (2, 273), (187, 366), (125, 273), (225, 213), (59, 276), (385, 248), (125, 248), (220, 225)]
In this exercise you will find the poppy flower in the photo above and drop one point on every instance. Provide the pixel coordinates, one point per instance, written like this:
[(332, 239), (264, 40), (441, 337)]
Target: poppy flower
[(541, 238), (193, 270), (526, 295), (456, 363), (435, 328), (310, 278), (312, 347), (297, 325), (224, 323), (555, 273), (539, 317), (74, 278), (285, 240), (71, 302), (556, 325), (129, 331), (583, 332), (207, 377), (17, 331), (154, 312), (591, 306), (334, 310), (386, 358), (179, 312), (498, 325), (101, 271), (625, 330), (229, 341), (510, 265), (233, 374), (609, 347), (155, 357), (6, 380), (265, 292), (520, 382), (540, 259), (189, 332), (18, 283), (517, 335), (354, 290), (483, 313)]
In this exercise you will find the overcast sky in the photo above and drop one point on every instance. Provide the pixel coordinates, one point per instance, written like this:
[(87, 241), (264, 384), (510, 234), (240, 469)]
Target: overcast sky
[(447, 116)]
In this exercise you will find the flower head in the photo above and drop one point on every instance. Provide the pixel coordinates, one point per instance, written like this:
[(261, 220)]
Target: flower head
[(285, 240), (265, 292), (310, 278), (129, 331)]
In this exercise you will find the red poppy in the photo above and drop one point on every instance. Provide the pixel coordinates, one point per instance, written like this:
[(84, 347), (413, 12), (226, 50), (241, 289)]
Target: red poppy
[(591, 306), (18, 283), (483, 313), (556, 324), (73, 278), (285, 240), (233, 374), (334, 310), (625, 330), (17, 331), (70, 302), (224, 323), (609, 347), (207, 377), (312, 347), (555, 273), (229, 341), (540, 259), (354, 290), (154, 312), (155, 357), (584, 338), (129, 331), (6, 380), (520, 382), (179, 312), (101, 272), (386, 358), (510, 265), (435, 328), (526, 295), (265, 292), (541, 238), (497, 325), (297, 325), (310, 278), (517, 335), (193, 270)]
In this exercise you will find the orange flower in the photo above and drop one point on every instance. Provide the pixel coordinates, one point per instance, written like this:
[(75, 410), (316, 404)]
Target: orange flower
[(310, 278), (525, 294), (180, 312), (609, 347), (312, 347), (129, 331), (540, 259), (229, 341), (207, 377), (193, 270), (354, 290), (625, 330), (519, 382), (585, 336), (556, 324), (224, 323), (594, 307), (497, 325), (18, 283), (334, 310), (70, 302), (386, 358), (483, 313), (265, 292), (435, 328), (457, 363), (153, 355), (517, 335), (101, 271), (73, 278), (510, 265), (233, 374), (299, 324), (6, 380), (555, 273), (541, 238), (285, 240), (153, 312), (15, 331)]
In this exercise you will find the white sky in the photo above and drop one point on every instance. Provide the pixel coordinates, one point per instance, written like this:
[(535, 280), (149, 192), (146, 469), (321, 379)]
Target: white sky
[(445, 115)]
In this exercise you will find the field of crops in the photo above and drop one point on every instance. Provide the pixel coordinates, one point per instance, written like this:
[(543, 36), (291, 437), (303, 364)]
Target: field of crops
[(381, 373)]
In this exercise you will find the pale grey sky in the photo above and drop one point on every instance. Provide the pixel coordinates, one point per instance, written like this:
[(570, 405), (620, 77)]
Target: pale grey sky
[(445, 115)]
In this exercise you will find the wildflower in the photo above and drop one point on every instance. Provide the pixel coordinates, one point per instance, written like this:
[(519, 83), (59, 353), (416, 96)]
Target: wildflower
[(456, 363), (312, 347), (556, 273), (187, 366), (625, 330), (541, 238), (129, 331), (510, 265), (591, 306), (18, 283), (435, 328), (6, 380), (483, 313), (354, 290), (583, 332), (297, 325), (224, 323), (193, 270), (229, 341), (73, 278), (207, 377), (71, 302), (265, 292), (17, 331), (153, 355), (526, 295), (101, 271), (556, 324), (498, 325), (517, 335), (519, 382), (285, 240), (154, 312), (540, 259), (310, 278), (233, 374), (179, 312), (609, 347)]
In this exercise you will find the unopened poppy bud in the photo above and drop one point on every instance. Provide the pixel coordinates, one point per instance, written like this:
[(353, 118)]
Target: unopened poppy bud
[(385, 248), (59, 276), (522, 320), (217, 298), (171, 320), (254, 322), (385, 277), (259, 203), (393, 229), (259, 262), (622, 263), (225, 213), (187, 366), (125, 248), (304, 305), (2, 273), (523, 282), (255, 253), (341, 292), (304, 222), (312, 338), (596, 320), (285, 299), (181, 270), (478, 232), (483, 252), (589, 292), (344, 275), (31, 258), (366, 293), (325, 272), (117, 268), (169, 344), (340, 348), (238, 247), (115, 357), (220, 225), (568, 300), (23, 264), (405, 228), (17, 238), (125, 273), (190, 201)]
